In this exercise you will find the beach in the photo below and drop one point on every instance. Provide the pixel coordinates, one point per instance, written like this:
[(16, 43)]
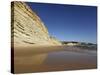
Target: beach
[(53, 58)]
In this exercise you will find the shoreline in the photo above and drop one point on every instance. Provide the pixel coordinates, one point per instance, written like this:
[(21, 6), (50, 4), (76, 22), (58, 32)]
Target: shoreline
[(52, 58), (46, 49)]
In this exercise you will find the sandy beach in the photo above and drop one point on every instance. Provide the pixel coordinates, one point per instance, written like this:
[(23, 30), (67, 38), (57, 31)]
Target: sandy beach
[(53, 58)]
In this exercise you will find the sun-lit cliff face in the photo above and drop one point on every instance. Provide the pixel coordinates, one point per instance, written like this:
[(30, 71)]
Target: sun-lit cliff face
[(27, 27)]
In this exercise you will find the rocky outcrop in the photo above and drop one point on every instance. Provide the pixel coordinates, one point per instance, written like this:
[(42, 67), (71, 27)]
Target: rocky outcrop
[(27, 28)]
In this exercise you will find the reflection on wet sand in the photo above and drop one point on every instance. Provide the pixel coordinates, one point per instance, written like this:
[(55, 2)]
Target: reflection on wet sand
[(55, 58)]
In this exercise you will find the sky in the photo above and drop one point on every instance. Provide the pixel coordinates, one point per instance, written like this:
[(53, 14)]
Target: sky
[(68, 22)]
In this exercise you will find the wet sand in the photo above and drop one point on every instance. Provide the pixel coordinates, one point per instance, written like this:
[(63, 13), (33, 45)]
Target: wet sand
[(55, 58)]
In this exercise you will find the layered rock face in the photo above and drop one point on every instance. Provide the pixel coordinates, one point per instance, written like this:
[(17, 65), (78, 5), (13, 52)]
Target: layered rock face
[(27, 28)]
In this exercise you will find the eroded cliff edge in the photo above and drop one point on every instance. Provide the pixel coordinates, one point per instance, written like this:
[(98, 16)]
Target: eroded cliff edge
[(27, 28)]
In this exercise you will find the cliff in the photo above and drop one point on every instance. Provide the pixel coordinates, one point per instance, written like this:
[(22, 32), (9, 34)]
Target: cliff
[(27, 28)]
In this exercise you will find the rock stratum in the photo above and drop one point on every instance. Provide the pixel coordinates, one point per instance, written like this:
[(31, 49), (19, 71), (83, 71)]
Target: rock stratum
[(27, 28)]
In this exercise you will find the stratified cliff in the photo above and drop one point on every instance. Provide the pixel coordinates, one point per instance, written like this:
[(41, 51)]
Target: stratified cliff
[(27, 28)]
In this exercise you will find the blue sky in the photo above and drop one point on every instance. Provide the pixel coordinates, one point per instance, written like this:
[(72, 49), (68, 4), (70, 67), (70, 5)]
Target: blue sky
[(68, 22)]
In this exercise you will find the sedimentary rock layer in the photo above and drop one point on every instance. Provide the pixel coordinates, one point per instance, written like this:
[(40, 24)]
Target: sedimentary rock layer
[(27, 28)]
